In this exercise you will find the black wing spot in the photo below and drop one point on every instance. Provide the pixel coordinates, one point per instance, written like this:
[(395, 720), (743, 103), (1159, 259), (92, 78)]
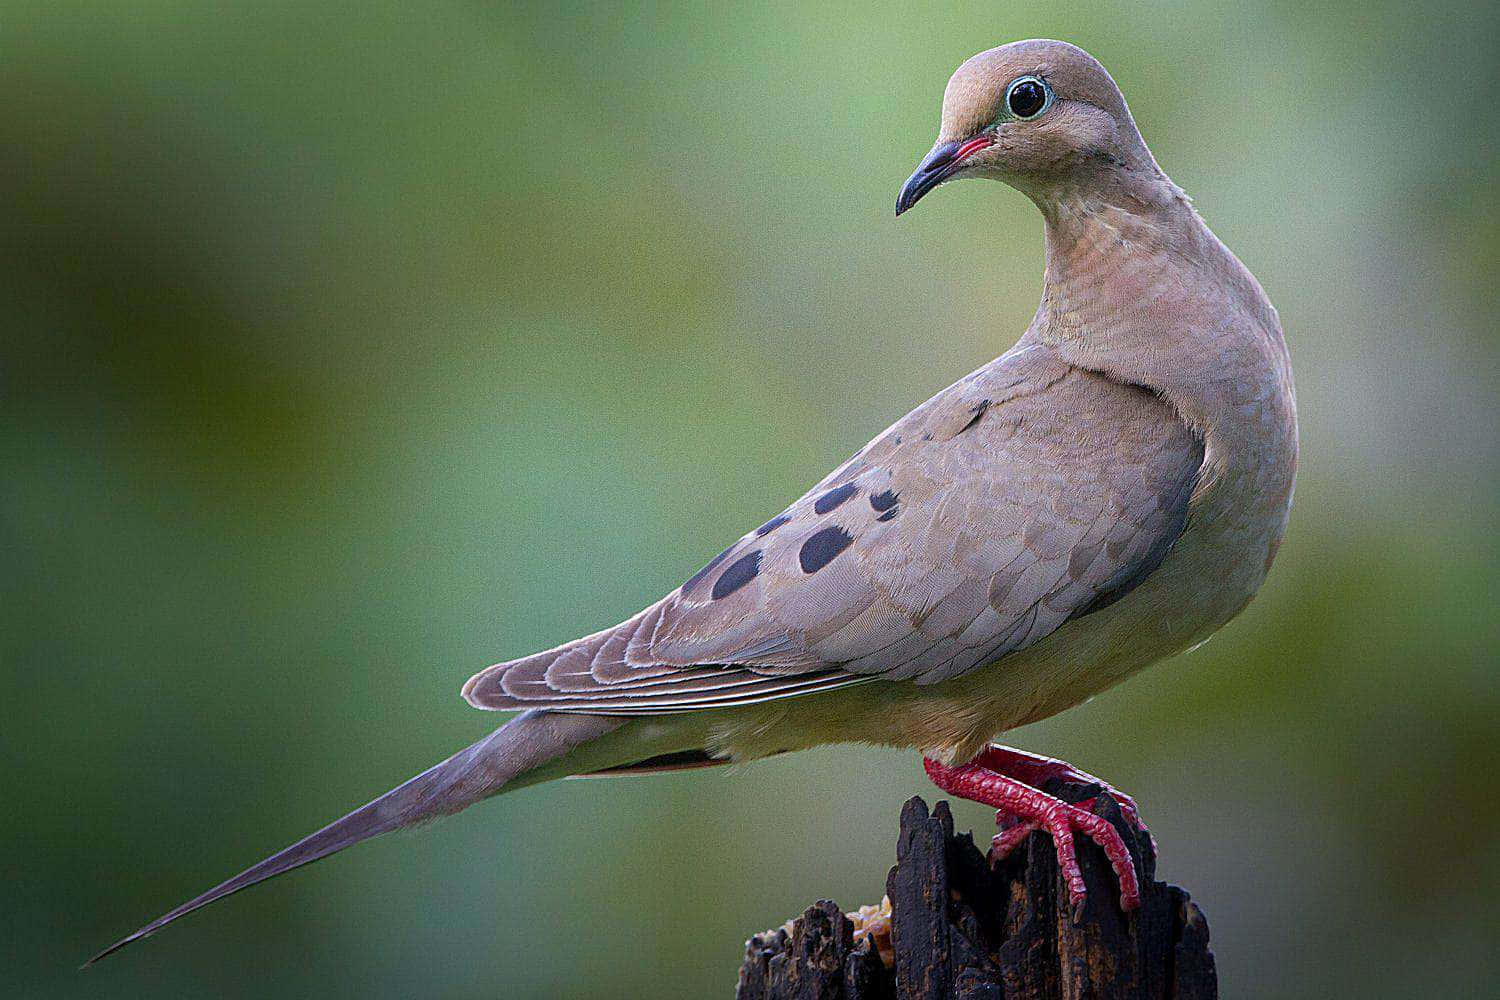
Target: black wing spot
[(772, 525), (978, 411), (828, 501), (884, 501), (697, 577), (819, 550), (739, 573), (889, 514)]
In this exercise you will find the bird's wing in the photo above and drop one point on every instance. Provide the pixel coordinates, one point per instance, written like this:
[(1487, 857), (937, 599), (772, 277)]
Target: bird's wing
[(1024, 495)]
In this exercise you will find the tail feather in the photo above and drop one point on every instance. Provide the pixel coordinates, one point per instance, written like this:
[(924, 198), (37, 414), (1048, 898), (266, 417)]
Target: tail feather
[(516, 754)]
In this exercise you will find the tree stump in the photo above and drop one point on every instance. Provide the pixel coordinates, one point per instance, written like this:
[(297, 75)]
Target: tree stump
[(960, 930)]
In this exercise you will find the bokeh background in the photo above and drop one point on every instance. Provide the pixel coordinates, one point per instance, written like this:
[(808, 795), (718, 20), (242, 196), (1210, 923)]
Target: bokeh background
[(348, 348)]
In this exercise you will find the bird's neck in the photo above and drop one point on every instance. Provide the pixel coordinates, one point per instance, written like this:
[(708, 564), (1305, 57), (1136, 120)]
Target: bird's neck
[(1138, 288)]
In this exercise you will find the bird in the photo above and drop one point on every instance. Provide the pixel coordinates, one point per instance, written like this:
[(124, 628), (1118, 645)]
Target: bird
[(1108, 492)]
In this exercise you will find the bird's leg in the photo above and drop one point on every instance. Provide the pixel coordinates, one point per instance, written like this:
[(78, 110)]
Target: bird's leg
[(1013, 832), (1032, 809), (1036, 770)]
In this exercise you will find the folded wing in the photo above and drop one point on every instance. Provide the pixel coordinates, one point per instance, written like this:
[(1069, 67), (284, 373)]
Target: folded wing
[(1026, 494)]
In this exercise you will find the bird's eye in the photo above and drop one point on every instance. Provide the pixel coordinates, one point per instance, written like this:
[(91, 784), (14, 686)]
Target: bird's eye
[(1026, 97)]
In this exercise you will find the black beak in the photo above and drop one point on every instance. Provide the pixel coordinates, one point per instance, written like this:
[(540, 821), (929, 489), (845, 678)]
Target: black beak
[(943, 162)]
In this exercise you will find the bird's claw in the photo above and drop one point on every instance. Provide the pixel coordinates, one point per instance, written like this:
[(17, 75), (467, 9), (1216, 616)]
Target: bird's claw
[(1036, 770), (1060, 820), (1010, 781)]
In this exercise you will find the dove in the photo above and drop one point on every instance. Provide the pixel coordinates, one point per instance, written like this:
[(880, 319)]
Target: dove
[(1107, 493)]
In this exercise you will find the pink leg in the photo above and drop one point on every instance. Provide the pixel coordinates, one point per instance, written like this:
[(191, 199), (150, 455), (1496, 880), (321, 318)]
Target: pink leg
[(1036, 770), (1035, 809), (1013, 833)]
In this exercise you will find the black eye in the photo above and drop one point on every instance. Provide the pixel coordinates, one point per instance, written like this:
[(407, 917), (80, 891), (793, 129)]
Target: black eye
[(1026, 98)]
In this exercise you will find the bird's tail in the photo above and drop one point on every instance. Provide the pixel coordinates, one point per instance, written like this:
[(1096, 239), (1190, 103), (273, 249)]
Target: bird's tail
[(532, 747)]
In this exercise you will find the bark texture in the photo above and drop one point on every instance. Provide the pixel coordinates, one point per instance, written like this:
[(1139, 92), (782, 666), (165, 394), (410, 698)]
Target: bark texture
[(961, 930)]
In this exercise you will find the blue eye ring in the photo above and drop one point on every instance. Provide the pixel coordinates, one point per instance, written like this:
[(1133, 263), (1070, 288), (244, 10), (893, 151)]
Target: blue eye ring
[(1026, 97)]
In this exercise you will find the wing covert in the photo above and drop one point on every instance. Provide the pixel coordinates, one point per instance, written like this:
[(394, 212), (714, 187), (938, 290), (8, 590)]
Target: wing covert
[(1026, 494)]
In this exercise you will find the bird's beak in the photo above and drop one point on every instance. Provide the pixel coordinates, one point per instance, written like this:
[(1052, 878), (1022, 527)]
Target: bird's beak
[(942, 163)]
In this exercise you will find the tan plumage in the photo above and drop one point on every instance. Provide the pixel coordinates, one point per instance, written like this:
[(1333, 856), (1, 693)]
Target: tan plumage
[(1109, 492), (1145, 420), (1026, 494)]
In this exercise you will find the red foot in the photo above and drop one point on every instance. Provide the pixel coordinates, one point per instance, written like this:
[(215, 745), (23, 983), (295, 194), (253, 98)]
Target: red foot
[(1036, 770), (1024, 809)]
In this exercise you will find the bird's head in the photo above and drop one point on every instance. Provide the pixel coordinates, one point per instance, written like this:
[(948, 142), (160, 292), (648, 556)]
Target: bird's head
[(1040, 115)]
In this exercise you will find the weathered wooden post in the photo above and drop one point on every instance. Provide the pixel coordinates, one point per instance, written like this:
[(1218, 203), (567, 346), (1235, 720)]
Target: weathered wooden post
[(960, 930)]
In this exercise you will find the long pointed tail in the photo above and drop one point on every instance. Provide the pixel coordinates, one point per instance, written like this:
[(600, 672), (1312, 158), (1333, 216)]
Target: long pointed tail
[(532, 747)]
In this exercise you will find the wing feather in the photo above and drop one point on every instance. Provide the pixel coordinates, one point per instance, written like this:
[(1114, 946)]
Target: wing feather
[(1026, 494)]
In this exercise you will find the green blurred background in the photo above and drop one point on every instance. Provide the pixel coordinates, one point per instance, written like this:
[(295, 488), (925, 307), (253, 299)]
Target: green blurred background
[(350, 348)]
